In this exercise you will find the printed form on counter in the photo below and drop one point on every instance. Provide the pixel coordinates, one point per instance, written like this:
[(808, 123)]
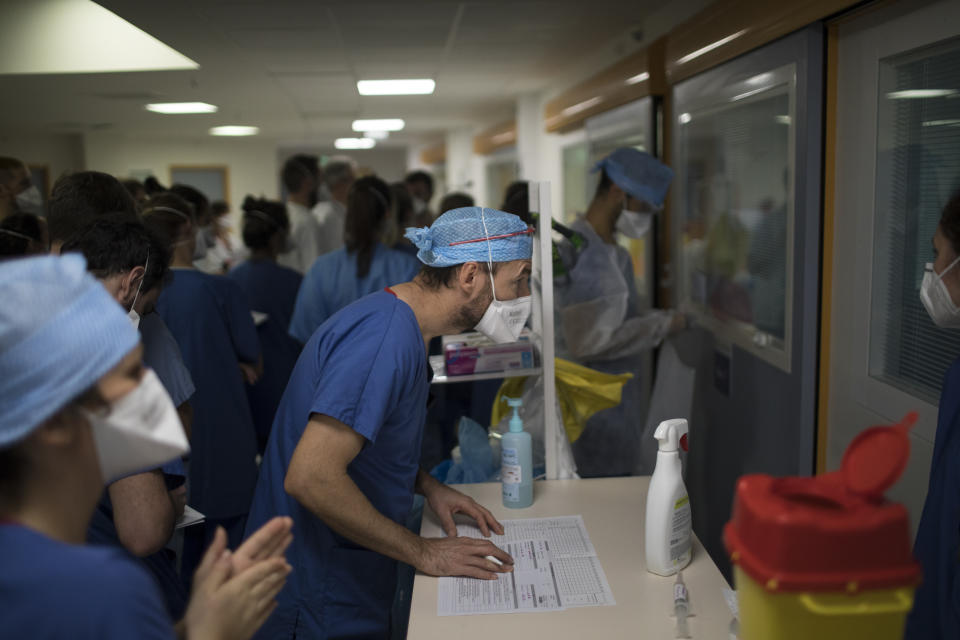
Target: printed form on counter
[(555, 568)]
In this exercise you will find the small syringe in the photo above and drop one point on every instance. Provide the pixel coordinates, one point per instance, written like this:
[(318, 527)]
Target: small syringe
[(681, 606)]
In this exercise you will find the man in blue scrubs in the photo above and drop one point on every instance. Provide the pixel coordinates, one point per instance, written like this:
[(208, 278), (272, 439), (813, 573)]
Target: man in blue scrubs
[(344, 451)]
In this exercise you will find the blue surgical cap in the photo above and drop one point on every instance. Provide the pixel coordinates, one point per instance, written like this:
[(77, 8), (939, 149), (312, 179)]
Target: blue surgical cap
[(60, 332), (639, 174), (472, 234)]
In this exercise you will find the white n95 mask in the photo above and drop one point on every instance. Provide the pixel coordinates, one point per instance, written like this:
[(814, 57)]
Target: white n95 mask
[(504, 319), (936, 298), (142, 431), (634, 224), (30, 201)]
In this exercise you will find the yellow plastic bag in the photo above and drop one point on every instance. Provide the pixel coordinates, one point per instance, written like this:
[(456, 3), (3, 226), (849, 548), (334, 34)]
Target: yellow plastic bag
[(581, 392)]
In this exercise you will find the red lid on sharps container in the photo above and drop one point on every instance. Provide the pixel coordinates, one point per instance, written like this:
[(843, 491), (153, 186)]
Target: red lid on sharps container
[(833, 532)]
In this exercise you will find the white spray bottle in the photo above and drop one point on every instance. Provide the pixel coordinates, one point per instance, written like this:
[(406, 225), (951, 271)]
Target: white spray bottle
[(516, 457), (668, 539)]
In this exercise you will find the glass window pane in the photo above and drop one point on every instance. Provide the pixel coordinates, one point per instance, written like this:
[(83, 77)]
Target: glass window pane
[(575, 180), (918, 167), (500, 173), (736, 207)]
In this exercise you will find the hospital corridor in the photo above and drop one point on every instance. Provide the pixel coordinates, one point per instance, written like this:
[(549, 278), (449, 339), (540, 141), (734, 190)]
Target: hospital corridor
[(432, 319)]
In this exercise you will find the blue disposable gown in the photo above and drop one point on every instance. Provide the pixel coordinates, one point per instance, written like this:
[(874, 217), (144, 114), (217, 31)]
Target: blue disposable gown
[(332, 283), (52, 590), (936, 608), (367, 368), (210, 318), (271, 289)]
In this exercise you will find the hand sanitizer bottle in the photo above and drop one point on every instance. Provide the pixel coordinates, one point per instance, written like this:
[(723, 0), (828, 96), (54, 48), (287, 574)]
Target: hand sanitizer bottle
[(669, 521), (516, 458)]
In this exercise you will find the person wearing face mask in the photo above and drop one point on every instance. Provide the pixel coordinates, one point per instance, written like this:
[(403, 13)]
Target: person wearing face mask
[(138, 512), (936, 607), (601, 324), (17, 193), (331, 214), (209, 316), (301, 178), (420, 186), (78, 409), (362, 266), (272, 290), (343, 456)]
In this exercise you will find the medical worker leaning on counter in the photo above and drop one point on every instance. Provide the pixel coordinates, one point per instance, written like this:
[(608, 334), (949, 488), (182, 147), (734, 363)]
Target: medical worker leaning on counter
[(344, 451), (602, 323), (936, 609), (77, 410)]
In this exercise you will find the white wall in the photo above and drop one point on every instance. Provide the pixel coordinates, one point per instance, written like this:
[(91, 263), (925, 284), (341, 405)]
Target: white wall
[(252, 162), (58, 152)]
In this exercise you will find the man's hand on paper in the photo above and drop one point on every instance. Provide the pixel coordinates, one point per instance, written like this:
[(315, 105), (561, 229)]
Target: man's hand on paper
[(446, 502), (463, 557)]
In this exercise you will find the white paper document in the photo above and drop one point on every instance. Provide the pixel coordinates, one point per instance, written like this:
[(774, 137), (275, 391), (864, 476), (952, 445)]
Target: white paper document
[(190, 517), (555, 567)]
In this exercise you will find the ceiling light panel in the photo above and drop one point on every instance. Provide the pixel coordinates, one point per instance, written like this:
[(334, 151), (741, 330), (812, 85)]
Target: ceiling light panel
[(423, 86), (234, 130), (181, 107), (388, 124), (354, 143)]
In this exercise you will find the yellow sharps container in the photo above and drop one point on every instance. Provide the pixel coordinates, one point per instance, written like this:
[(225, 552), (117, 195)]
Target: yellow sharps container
[(826, 558)]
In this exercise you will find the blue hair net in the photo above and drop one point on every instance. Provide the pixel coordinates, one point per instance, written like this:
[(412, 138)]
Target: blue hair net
[(60, 331), (461, 235), (639, 174)]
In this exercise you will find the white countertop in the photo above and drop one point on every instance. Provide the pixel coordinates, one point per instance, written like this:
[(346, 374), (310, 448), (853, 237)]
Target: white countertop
[(613, 511)]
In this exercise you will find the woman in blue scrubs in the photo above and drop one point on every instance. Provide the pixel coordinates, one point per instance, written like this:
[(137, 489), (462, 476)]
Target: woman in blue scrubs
[(71, 380), (936, 609), (271, 290), (362, 266), (210, 318)]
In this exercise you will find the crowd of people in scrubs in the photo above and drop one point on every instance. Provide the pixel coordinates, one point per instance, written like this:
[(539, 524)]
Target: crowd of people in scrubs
[(209, 432)]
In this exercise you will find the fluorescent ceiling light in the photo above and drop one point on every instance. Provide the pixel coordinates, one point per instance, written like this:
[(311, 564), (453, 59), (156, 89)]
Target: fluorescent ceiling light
[(354, 143), (181, 107), (234, 130), (637, 79), (377, 135), (77, 36), (710, 47), (951, 122), (395, 87), (685, 118), (922, 93), (747, 94), (390, 124)]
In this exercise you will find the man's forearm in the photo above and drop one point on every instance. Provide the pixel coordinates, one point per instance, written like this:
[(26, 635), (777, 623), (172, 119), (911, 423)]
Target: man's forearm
[(338, 501)]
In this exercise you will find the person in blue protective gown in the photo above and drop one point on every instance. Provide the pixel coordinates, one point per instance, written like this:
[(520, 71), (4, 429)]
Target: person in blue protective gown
[(271, 290), (362, 266), (343, 456), (936, 607), (601, 322), (211, 321), (78, 409)]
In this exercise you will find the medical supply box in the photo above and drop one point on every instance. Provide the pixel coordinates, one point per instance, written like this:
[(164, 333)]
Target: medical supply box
[(826, 557), (469, 353)]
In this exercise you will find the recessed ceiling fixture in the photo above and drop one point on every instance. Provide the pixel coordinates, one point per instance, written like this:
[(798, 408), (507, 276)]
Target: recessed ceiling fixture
[(922, 93), (389, 124), (377, 135), (234, 130), (421, 86), (181, 107), (354, 143)]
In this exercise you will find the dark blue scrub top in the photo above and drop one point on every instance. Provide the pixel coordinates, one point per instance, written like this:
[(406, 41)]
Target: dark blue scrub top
[(367, 368), (210, 318), (52, 590), (936, 607)]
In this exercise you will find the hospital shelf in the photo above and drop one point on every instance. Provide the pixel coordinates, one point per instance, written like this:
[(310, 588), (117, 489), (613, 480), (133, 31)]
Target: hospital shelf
[(436, 363)]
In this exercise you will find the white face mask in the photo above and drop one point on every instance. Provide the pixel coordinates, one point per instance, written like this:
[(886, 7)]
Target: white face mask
[(200, 245), (419, 206), (504, 319), (142, 431), (936, 298), (634, 224), (30, 201)]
